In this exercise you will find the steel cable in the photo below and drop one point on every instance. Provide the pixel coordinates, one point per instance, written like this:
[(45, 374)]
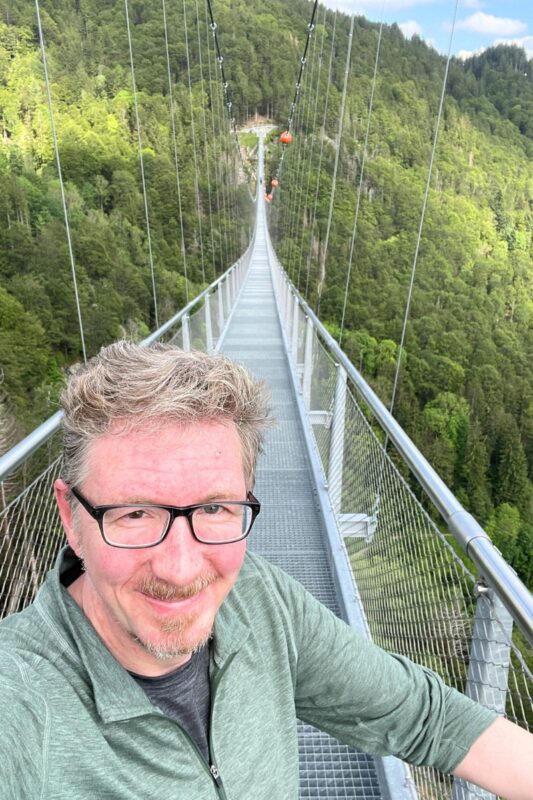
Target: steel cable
[(313, 140), (322, 272), (60, 177), (423, 212), (361, 176), (206, 146), (194, 150), (141, 163), (175, 151), (319, 169)]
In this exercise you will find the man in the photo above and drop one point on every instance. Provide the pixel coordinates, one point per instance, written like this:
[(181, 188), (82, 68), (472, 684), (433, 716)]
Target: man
[(159, 660)]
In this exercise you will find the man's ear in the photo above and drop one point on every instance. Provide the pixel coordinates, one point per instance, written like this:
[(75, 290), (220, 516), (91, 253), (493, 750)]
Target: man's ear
[(61, 493)]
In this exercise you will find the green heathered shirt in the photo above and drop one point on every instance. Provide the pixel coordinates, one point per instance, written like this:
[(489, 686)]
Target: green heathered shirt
[(76, 725)]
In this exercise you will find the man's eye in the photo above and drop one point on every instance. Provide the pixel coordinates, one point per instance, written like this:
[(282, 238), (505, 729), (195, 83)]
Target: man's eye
[(136, 513), (129, 516), (213, 508)]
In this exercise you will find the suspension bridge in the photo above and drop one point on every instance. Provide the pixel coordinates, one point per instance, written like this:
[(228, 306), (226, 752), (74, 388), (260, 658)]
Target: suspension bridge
[(374, 534)]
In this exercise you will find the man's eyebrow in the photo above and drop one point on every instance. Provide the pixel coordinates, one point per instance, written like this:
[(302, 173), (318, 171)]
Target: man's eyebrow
[(223, 494)]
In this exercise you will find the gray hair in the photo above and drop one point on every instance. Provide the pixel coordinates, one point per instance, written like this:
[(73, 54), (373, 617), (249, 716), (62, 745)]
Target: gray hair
[(141, 387)]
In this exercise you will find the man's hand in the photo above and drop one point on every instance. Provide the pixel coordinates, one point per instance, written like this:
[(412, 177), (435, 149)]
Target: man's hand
[(501, 761)]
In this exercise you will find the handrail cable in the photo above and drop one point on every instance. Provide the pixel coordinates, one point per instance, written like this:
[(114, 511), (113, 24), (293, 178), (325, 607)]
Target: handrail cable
[(193, 131), (206, 145), (319, 169), (60, 176), (141, 162), (361, 176), (423, 212), (176, 158), (322, 273), (313, 140), (302, 160), (216, 102)]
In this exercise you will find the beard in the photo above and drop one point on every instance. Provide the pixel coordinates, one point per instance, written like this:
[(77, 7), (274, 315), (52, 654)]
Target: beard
[(174, 642)]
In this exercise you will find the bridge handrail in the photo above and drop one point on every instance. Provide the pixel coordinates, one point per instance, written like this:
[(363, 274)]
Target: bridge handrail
[(18, 454), (473, 540)]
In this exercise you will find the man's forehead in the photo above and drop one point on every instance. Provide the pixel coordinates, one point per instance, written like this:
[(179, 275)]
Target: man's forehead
[(167, 442)]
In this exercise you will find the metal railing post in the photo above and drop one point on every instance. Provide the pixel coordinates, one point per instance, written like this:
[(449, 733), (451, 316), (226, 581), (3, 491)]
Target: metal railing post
[(186, 331), (308, 364), (220, 309), (294, 336), (228, 295), (488, 669), (208, 325), (288, 311), (336, 447)]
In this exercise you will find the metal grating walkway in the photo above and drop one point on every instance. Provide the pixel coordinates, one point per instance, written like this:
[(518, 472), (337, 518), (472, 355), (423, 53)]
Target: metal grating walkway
[(289, 530)]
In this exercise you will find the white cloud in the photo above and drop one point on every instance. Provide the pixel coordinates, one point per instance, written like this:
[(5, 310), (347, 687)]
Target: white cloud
[(410, 28), (464, 54), (526, 42), (363, 6), (491, 25)]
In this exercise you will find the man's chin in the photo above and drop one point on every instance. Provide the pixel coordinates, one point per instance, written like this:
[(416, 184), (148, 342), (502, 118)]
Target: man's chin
[(172, 648)]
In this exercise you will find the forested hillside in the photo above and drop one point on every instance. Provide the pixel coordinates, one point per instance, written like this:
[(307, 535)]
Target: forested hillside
[(465, 394)]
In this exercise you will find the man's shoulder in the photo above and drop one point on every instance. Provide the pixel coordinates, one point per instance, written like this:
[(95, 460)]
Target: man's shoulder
[(268, 589), (261, 577)]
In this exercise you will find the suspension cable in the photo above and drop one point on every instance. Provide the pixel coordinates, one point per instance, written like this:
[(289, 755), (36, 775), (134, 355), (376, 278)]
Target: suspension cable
[(61, 185), (222, 221), (206, 146), (227, 93), (216, 103), (322, 274), (175, 149), (313, 140), (319, 170), (361, 176), (303, 60), (141, 162), (423, 212), (228, 103), (301, 161), (193, 131), (298, 84)]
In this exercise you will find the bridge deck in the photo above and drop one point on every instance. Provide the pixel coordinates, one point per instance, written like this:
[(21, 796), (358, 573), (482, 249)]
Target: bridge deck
[(290, 530)]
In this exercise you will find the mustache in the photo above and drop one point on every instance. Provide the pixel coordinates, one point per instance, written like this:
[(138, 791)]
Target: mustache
[(163, 590)]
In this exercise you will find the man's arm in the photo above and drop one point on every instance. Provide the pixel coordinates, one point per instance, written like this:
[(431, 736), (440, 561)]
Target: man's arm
[(501, 761)]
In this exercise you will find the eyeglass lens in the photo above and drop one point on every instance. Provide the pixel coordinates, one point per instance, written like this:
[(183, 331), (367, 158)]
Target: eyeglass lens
[(143, 525)]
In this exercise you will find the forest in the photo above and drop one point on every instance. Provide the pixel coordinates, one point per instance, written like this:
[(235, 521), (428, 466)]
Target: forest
[(465, 391)]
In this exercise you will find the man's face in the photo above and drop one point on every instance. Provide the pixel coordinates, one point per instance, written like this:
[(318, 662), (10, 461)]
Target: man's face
[(154, 606)]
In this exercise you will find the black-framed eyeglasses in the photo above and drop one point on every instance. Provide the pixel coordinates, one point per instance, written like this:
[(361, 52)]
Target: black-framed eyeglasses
[(139, 525)]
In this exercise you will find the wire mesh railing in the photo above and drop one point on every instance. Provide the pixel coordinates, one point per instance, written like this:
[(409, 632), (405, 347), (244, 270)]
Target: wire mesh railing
[(418, 591), (30, 530)]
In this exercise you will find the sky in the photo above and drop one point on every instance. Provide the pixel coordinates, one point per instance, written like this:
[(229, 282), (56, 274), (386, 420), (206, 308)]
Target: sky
[(479, 23)]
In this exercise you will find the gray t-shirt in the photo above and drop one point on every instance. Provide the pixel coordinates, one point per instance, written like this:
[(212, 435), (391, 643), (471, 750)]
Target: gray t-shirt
[(184, 695)]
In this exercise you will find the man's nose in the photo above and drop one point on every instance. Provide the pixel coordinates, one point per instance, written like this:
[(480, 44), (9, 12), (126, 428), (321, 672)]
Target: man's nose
[(179, 557)]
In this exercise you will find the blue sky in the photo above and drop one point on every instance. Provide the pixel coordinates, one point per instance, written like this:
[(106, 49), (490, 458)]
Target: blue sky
[(479, 24)]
